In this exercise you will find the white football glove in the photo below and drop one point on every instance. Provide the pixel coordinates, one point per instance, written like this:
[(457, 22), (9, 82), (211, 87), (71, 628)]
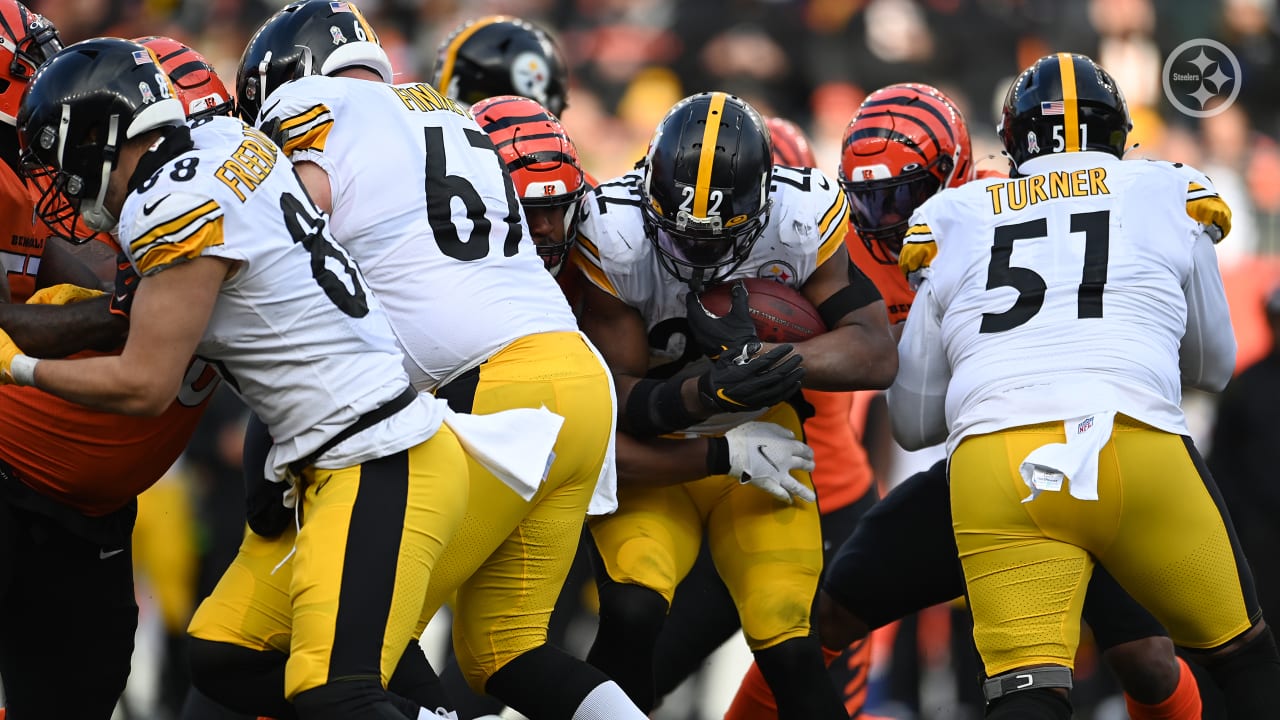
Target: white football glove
[(764, 454)]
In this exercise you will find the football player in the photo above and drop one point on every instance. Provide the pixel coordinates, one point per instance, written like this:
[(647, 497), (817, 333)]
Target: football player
[(502, 55), (902, 557), (1058, 315), (702, 614), (456, 231), (544, 165), (708, 206), (237, 263), (67, 492)]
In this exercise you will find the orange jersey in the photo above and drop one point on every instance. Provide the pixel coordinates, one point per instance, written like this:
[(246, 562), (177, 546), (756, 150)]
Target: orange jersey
[(93, 461), (888, 279), (21, 240), (842, 473)]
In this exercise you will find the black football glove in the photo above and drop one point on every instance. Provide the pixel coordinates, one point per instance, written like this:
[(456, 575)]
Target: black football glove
[(729, 333), (746, 381), (264, 499)]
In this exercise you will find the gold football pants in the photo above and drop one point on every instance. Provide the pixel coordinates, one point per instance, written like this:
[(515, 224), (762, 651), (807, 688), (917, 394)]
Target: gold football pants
[(1158, 527), (508, 559), (369, 539), (768, 554)]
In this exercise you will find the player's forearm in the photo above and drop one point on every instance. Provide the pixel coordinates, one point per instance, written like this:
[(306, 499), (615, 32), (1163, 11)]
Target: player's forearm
[(657, 462), (108, 384), (52, 331), (851, 357)]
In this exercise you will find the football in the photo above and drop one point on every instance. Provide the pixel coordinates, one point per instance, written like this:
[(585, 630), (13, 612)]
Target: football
[(781, 314)]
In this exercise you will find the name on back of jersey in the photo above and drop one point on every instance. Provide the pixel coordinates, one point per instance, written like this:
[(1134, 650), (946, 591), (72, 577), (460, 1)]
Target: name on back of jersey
[(249, 164), (1018, 193), (424, 98)]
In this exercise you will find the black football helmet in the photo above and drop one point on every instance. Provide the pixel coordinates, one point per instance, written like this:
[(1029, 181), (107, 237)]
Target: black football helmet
[(80, 108), (502, 55), (309, 37), (706, 185), (1063, 103)]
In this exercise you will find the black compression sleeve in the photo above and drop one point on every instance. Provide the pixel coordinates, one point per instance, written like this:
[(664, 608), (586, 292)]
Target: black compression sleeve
[(655, 407), (859, 293)]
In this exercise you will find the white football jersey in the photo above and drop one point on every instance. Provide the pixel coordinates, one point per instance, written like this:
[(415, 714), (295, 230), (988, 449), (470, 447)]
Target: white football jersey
[(806, 226), (295, 331), (1070, 290), (421, 200)]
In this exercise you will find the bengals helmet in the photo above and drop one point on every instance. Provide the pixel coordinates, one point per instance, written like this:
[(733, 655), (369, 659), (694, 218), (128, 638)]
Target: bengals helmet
[(77, 112), (1063, 103), (706, 186), (502, 55), (905, 143), (199, 87), (790, 146), (308, 37), (543, 163), (26, 41)]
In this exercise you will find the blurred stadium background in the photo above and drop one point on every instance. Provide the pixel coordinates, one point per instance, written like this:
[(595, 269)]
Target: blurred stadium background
[(808, 60)]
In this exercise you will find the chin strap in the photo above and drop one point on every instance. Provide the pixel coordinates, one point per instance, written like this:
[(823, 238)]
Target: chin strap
[(95, 213)]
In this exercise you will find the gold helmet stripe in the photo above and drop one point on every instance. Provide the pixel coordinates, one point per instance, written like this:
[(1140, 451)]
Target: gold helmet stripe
[(702, 190), (369, 34), (1070, 106), (451, 51)]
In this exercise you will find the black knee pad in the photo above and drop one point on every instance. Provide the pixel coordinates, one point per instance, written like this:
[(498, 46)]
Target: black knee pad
[(1033, 704), (1249, 676), (523, 683), (342, 699), (798, 678), (630, 619), (638, 610), (246, 681)]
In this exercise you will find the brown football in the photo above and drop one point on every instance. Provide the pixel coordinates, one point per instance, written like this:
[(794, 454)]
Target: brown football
[(781, 314)]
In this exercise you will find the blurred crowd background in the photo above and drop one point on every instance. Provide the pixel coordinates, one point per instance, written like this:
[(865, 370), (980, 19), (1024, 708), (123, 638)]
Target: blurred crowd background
[(811, 61)]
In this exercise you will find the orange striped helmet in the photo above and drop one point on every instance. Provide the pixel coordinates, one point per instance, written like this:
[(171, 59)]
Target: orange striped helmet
[(26, 40), (544, 166), (790, 146), (199, 88), (904, 144)]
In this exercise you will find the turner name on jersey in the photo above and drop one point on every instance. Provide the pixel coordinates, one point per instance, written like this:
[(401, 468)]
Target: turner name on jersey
[(422, 201), (807, 224), (1086, 262), (294, 298)]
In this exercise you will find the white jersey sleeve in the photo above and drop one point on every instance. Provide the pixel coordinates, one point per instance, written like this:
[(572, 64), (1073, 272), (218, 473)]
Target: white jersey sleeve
[(917, 398), (1207, 355), (423, 202), (295, 331)]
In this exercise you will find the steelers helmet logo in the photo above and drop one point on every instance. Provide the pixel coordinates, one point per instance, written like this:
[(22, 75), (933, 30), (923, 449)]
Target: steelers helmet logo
[(530, 76)]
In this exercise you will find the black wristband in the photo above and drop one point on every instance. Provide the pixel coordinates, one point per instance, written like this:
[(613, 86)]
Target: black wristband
[(656, 407), (717, 456)]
